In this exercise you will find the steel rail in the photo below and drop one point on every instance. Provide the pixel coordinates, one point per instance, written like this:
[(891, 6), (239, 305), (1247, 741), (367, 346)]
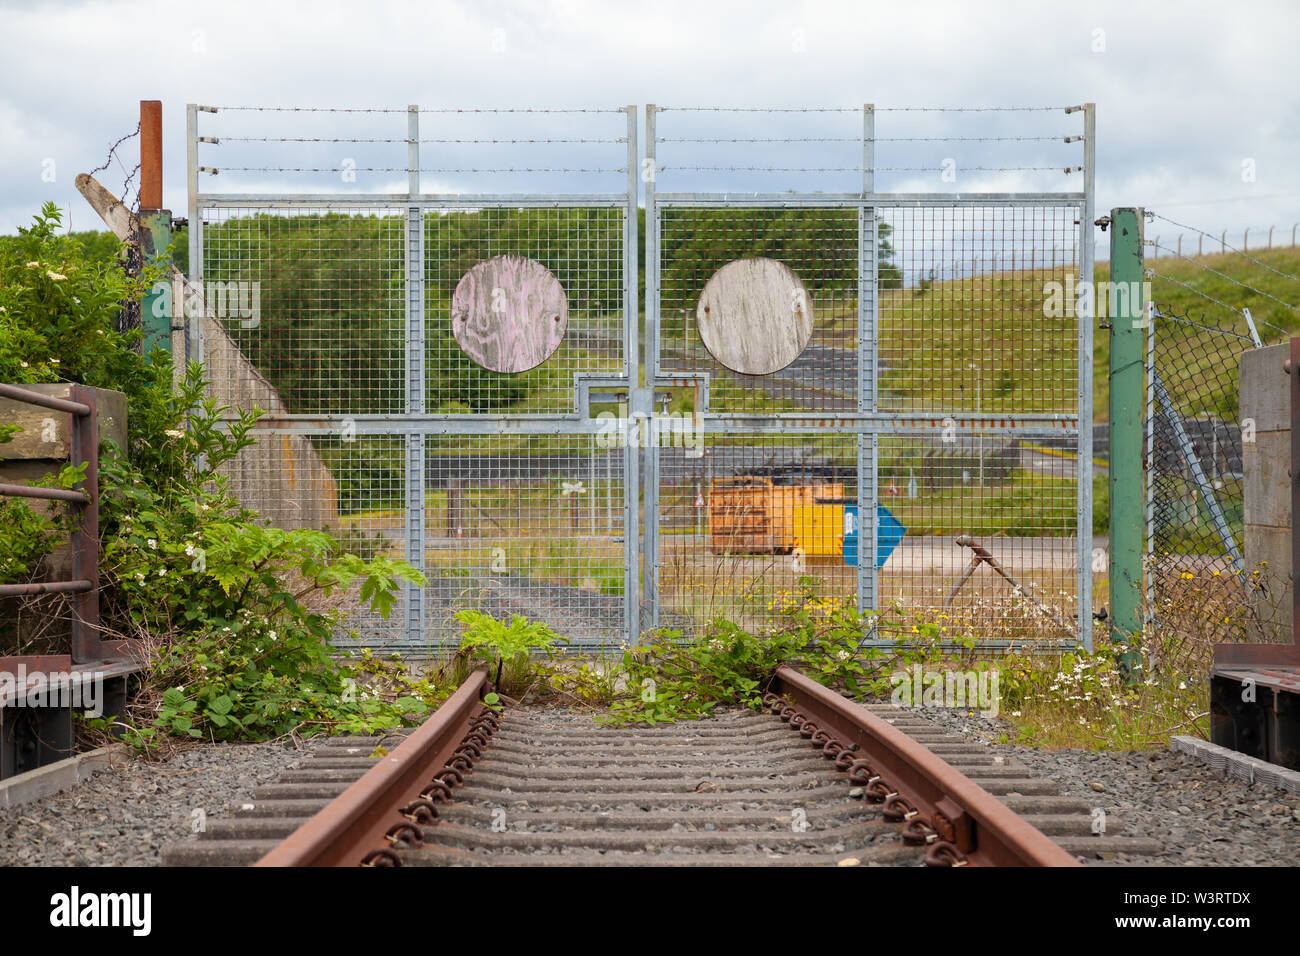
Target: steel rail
[(959, 812), (356, 822)]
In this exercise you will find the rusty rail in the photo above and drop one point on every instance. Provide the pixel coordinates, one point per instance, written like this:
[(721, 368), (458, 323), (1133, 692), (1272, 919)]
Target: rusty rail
[(960, 821), (83, 433), (385, 806)]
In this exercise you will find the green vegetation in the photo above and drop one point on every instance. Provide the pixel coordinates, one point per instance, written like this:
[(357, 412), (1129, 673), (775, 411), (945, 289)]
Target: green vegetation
[(235, 618), (27, 534), (490, 641)]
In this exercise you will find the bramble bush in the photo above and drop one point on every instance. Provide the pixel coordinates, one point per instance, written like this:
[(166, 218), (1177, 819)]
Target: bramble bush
[(233, 612)]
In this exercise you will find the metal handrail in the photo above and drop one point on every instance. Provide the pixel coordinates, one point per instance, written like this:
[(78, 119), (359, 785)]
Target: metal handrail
[(83, 432)]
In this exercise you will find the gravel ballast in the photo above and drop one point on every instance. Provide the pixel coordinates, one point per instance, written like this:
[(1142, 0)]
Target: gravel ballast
[(1202, 817), (124, 815)]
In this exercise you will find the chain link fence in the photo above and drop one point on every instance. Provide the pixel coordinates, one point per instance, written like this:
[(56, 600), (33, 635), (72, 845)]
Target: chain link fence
[(1197, 581)]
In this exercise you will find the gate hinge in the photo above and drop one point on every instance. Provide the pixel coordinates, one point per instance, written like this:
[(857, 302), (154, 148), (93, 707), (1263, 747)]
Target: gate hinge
[(1104, 221)]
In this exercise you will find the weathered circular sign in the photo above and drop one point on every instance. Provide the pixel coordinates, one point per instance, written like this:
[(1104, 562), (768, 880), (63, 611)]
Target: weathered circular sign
[(755, 316), (509, 313)]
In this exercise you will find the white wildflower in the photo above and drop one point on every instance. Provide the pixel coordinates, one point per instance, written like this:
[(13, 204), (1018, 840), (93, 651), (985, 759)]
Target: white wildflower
[(153, 544), (174, 433), (54, 275)]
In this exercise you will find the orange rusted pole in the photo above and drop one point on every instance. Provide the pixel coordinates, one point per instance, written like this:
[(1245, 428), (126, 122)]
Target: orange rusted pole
[(151, 175)]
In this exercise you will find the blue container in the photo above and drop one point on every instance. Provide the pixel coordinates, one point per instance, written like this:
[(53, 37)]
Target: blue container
[(889, 532)]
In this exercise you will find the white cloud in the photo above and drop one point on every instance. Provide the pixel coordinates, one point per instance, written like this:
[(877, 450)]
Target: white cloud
[(1185, 92)]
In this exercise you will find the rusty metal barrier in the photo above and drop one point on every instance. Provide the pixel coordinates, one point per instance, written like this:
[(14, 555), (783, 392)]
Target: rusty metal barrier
[(31, 737), (84, 449), (959, 821), (398, 795)]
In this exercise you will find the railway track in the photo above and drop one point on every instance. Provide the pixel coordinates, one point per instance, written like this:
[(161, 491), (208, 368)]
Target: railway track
[(813, 780)]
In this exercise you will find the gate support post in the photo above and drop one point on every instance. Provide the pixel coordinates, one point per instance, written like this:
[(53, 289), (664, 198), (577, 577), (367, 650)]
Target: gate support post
[(867, 459), (1127, 374), (416, 463)]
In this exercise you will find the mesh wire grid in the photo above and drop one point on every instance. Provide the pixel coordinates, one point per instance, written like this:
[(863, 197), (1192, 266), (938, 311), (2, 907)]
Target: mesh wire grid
[(962, 329), (527, 525), (582, 246), (513, 524), (328, 333), (751, 527)]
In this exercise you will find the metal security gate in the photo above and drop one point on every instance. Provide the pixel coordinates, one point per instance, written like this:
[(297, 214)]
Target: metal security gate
[(938, 382), (914, 449), (329, 306)]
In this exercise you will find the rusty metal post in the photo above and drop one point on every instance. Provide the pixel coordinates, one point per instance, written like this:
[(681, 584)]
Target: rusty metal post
[(150, 154), (156, 232), (84, 434)]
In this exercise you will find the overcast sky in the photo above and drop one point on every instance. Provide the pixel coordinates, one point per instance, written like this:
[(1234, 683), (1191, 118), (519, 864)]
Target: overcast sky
[(1196, 102)]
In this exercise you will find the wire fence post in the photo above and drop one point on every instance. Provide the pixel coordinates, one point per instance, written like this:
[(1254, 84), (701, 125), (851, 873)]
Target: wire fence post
[(1083, 474), (416, 464), (1127, 406), (868, 445), (156, 223)]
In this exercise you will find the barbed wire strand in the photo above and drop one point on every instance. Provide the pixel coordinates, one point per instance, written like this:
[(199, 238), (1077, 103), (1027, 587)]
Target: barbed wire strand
[(112, 155), (1173, 317), (1285, 275), (404, 169), (395, 109), (1260, 321), (859, 139), (400, 139), (857, 109), (858, 169), (1244, 285)]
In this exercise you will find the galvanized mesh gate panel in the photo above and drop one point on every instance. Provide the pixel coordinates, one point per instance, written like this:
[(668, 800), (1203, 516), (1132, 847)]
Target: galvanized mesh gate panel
[(934, 383), (500, 486)]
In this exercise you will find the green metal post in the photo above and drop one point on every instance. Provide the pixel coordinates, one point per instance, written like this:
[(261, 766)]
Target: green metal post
[(1127, 371)]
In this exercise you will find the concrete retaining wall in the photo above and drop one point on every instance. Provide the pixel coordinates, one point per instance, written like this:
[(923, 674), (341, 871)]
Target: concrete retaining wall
[(1265, 397), (280, 476)]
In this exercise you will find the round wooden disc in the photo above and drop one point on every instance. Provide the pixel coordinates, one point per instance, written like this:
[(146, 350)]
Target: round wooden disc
[(509, 313), (755, 316)]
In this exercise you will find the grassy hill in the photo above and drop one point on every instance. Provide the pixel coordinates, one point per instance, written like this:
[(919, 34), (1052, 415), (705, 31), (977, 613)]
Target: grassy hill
[(333, 285), (1180, 287)]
